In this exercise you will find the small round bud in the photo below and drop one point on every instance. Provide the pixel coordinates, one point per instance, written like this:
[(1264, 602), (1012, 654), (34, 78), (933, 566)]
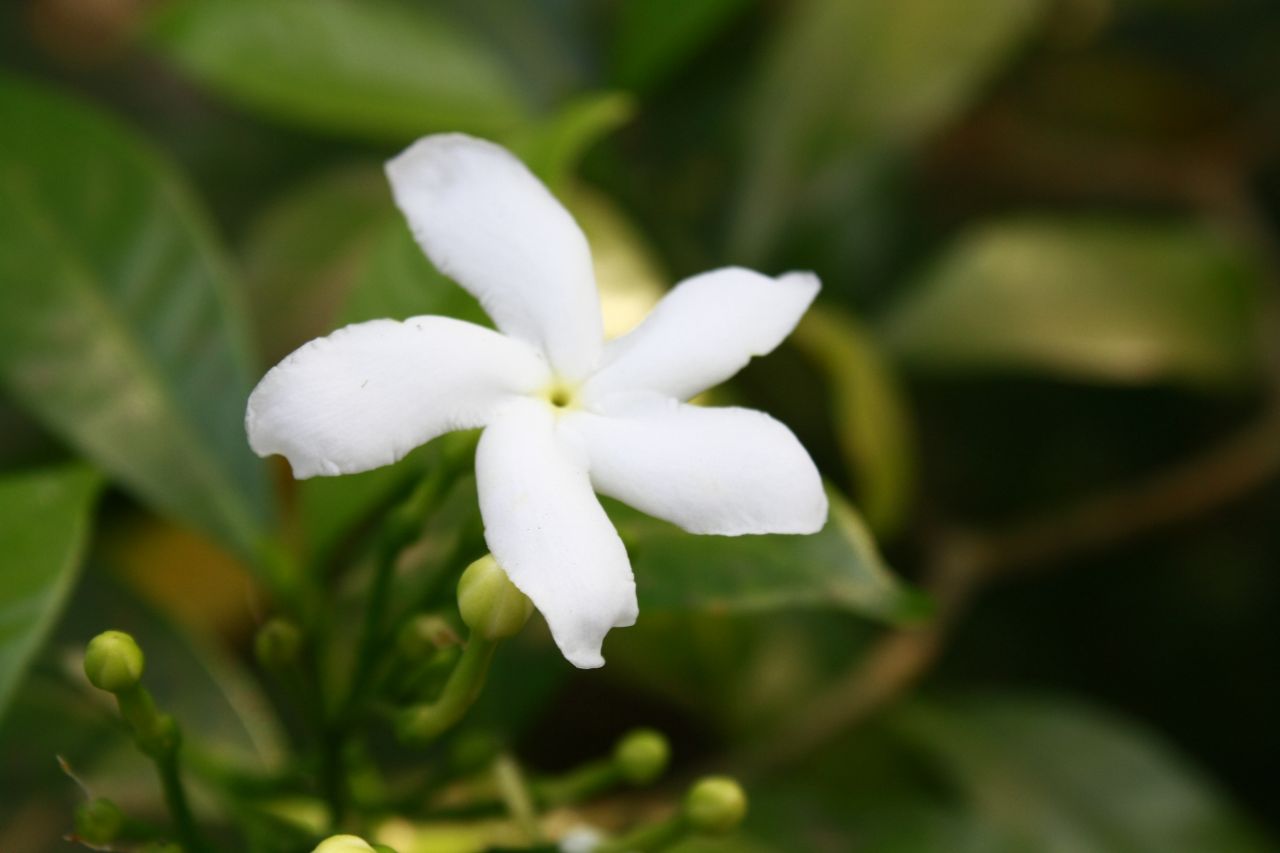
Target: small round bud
[(490, 603), (113, 662), (642, 755), (344, 844), (423, 635), (99, 821), (278, 643), (716, 805)]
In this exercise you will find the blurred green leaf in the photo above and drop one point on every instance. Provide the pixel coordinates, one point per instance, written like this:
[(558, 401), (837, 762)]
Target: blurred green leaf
[(996, 774), (304, 252), (44, 525), (1057, 776), (372, 68), (398, 281), (869, 412), (655, 36), (119, 325), (739, 672), (1111, 301), (843, 81), (836, 567), (552, 148), (224, 714)]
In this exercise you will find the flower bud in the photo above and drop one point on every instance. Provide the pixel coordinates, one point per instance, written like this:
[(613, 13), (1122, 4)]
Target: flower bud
[(642, 755), (113, 662), (490, 603), (278, 643), (344, 844), (425, 634), (99, 821), (716, 805)]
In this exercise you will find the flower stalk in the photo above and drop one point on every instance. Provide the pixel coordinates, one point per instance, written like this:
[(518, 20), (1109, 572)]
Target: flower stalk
[(423, 723), (114, 663)]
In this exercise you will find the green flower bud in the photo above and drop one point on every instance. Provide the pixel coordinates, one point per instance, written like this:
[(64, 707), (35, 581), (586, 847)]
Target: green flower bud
[(423, 635), (113, 662), (642, 755), (344, 844), (716, 805), (278, 643), (99, 821), (490, 603)]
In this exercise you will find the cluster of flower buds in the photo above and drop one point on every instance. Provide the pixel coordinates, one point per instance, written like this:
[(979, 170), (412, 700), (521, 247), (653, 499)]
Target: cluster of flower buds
[(493, 609)]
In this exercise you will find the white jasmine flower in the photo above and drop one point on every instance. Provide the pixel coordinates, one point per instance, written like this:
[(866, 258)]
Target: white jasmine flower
[(564, 413)]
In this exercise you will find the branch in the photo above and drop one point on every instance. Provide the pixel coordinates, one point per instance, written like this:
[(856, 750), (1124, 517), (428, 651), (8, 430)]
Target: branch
[(964, 560)]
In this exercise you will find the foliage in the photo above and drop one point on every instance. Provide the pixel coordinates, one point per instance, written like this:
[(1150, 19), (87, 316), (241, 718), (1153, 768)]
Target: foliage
[(1046, 234)]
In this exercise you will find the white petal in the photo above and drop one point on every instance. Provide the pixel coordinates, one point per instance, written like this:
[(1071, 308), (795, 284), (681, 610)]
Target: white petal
[(488, 223), (367, 394), (545, 527), (709, 470), (704, 331)]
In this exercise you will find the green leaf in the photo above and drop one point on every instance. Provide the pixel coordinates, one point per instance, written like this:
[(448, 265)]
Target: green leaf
[(1094, 299), (837, 567), (654, 37), (552, 148), (870, 414), (370, 68), (1057, 776), (119, 325), (397, 281), (305, 251), (44, 526), (223, 712), (844, 81)]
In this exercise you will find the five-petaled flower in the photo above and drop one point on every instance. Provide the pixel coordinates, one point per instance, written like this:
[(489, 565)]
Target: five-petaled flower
[(564, 413)]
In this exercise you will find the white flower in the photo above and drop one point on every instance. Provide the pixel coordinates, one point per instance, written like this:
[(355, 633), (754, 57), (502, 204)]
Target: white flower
[(563, 412)]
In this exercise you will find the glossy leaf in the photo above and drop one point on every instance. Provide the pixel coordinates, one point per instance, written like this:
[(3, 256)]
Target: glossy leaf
[(836, 567), (372, 68), (44, 529), (869, 413), (1062, 777), (845, 80), (119, 325), (1100, 300)]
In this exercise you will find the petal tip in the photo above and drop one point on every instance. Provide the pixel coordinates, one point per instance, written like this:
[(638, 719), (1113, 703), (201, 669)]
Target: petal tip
[(585, 659), (806, 279), (428, 160)]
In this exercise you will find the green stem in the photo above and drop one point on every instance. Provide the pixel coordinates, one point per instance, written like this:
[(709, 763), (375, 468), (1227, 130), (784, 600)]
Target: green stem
[(658, 836), (402, 526), (517, 796), (175, 796), (158, 736), (577, 785), (423, 723)]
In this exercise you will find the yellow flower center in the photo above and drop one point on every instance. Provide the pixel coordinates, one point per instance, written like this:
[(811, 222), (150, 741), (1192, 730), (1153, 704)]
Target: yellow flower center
[(561, 395)]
